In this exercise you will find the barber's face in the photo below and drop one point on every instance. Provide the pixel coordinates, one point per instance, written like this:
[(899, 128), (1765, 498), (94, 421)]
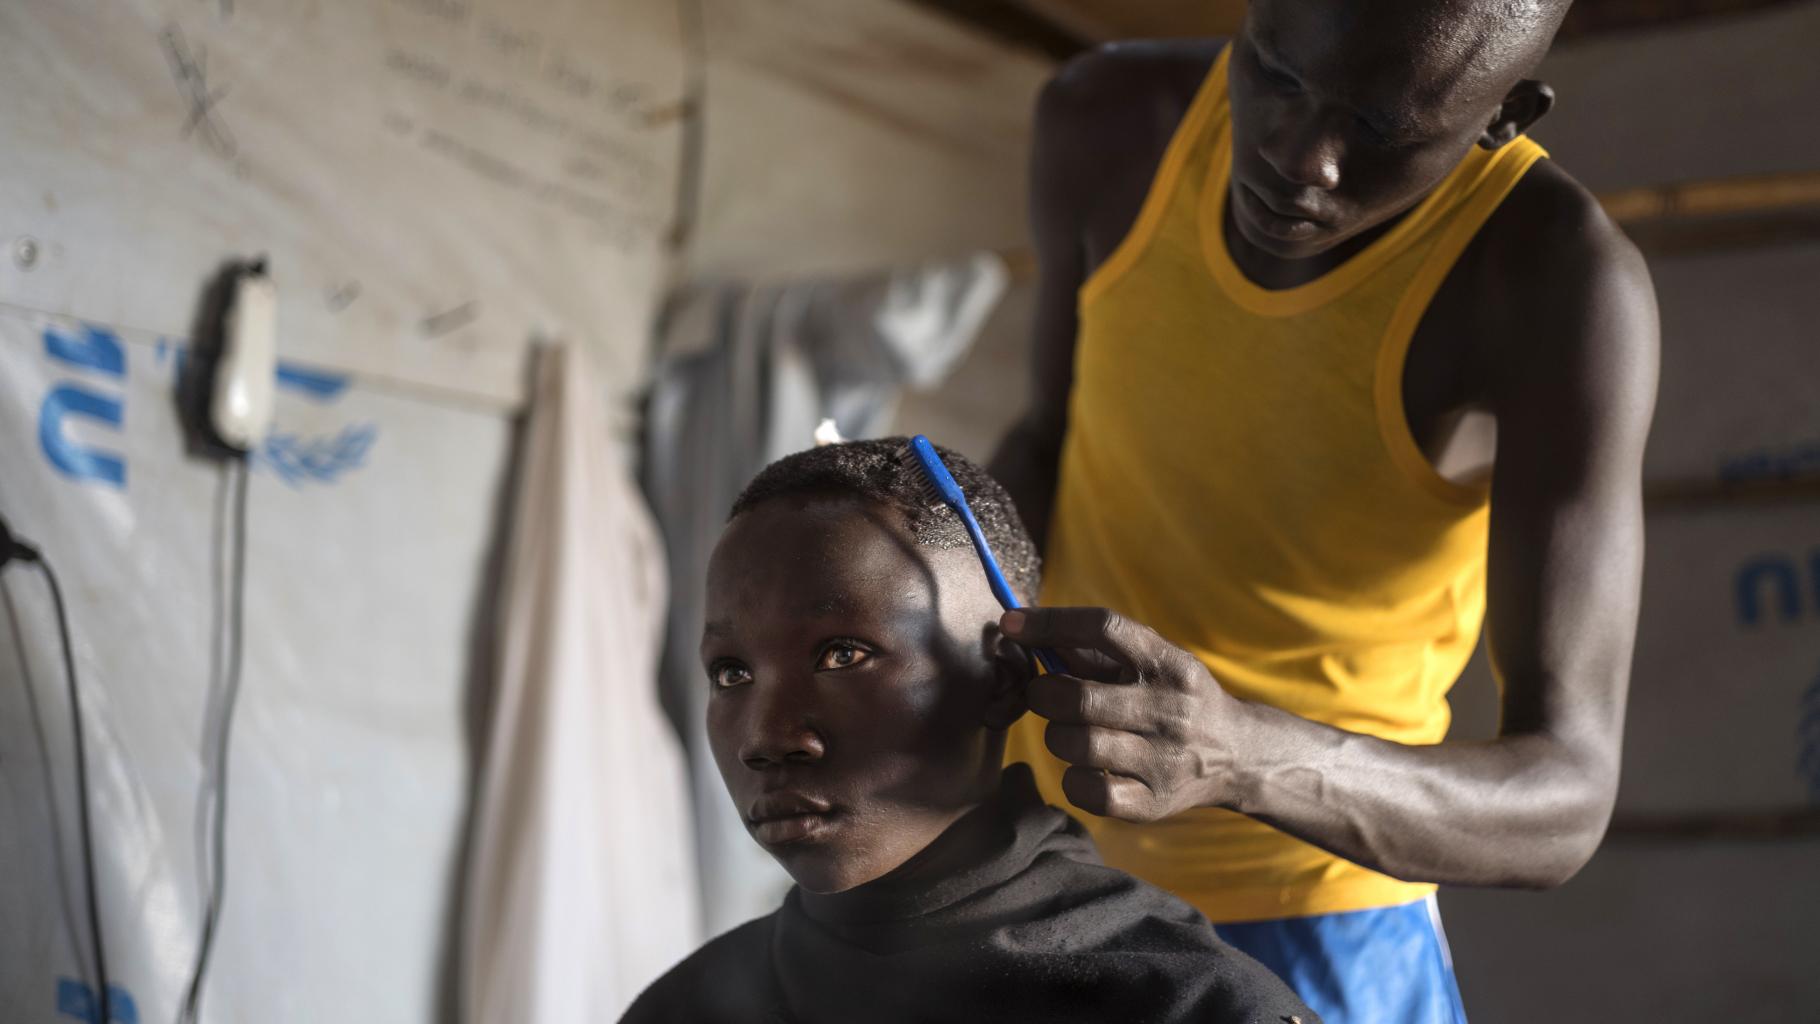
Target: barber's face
[(1342, 117), (858, 686)]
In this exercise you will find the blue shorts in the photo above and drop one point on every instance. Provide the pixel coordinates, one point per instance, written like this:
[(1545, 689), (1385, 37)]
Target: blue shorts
[(1384, 966)]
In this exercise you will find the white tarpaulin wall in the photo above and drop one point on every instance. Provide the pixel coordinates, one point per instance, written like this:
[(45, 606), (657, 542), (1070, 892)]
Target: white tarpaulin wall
[(350, 758), (435, 183)]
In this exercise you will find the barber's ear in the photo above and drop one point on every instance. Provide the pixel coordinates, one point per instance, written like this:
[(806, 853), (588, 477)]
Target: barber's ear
[(1524, 106), (1012, 669)]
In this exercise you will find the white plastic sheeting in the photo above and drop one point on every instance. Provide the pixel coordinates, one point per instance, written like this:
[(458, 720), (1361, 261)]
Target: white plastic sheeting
[(581, 888), (370, 521), (435, 183), (849, 135)]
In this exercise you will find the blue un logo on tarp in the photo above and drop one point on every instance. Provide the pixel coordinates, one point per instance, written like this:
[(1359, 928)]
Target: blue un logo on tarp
[(94, 398)]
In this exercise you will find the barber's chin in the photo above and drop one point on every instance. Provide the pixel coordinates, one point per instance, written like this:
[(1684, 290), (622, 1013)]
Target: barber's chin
[(1284, 238), (1289, 238)]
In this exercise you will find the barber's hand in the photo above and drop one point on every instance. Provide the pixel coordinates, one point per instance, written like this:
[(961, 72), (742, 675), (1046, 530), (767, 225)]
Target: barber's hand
[(1145, 728)]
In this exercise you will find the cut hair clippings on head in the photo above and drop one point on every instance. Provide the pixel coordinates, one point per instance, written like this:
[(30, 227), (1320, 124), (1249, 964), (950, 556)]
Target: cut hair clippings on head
[(938, 486)]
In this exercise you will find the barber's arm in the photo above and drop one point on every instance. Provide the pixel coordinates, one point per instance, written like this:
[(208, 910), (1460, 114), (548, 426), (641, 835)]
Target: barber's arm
[(1573, 402), (1028, 459)]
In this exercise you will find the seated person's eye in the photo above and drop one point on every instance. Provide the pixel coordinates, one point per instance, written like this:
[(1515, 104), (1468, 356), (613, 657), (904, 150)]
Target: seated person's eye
[(841, 654), (727, 674)]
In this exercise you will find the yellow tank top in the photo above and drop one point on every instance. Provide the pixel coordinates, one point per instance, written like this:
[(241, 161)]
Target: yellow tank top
[(1239, 475)]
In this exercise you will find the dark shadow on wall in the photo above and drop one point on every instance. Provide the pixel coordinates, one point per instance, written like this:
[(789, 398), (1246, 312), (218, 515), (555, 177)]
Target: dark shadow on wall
[(481, 683)]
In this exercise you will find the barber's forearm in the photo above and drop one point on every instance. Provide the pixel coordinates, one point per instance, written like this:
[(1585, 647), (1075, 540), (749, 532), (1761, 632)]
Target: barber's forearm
[(1517, 811)]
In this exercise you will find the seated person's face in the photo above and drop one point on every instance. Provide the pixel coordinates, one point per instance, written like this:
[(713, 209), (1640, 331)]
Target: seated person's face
[(860, 685)]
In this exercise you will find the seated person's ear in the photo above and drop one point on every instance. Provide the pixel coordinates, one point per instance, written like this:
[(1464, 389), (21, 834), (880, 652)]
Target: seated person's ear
[(1012, 669)]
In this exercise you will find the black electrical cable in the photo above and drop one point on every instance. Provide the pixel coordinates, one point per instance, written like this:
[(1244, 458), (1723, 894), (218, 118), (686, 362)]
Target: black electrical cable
[(234, 624), (13, 549), (102, 985)]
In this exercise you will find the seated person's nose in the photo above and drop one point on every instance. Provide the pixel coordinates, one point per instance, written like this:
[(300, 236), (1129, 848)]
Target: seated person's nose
[(794, 747)]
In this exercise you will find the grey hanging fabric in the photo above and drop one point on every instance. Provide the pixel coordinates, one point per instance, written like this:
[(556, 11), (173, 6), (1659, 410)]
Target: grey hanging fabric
[(744, 377)]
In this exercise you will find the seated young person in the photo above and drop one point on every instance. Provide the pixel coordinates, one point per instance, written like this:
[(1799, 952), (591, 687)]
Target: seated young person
[(861, 694)]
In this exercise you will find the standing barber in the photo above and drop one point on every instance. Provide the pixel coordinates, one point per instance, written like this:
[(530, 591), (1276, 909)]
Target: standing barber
[(1332, 364)]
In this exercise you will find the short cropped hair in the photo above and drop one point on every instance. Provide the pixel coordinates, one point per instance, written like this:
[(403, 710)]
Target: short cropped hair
[(874, 472)]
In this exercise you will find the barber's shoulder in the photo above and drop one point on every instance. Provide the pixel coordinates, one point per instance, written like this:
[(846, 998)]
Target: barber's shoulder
[(1101, 88), (1106, 114), (1552, 231), (1561, 275), (1550, 206), (1131, 67)]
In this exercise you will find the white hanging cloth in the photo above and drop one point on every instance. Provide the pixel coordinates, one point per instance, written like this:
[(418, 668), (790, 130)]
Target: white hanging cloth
[(581, 886)]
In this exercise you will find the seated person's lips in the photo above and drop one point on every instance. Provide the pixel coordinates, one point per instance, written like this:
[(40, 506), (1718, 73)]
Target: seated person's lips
[(792, 828), (786, 817)]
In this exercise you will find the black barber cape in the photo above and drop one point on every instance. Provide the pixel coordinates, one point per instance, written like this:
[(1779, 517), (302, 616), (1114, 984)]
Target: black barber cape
[(1008, 916)]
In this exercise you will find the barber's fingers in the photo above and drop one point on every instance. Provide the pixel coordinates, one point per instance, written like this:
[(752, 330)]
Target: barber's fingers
[(1129, 643), (1109, 795), (1091, 664), (1093, 747), (1074, 701)]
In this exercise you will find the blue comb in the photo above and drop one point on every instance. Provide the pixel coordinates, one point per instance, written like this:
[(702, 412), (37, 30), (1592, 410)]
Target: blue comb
[(939, 485)]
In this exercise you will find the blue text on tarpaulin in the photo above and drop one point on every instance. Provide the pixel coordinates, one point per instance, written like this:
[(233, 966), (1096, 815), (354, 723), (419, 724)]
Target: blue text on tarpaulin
[(98, 351), (1778, 577)]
